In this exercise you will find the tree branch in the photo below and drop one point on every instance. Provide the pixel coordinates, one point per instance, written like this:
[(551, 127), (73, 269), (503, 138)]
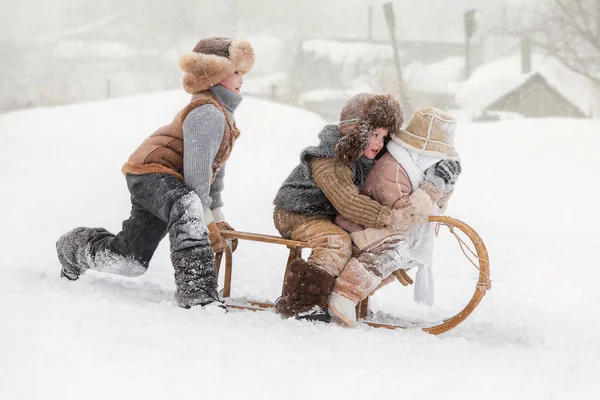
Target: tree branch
[(583, 71)]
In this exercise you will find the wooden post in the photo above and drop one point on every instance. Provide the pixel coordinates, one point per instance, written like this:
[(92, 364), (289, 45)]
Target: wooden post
[(218, 257), (228, 271), (469, 19), (370, 23), (295, 253), (598, 20), (390, 18)]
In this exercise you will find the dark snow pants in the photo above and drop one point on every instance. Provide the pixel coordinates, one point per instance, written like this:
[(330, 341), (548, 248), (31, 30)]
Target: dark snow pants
[(161, 204)]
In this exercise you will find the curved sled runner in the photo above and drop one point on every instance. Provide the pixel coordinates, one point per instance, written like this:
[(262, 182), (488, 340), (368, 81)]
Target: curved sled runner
[(295, 247)]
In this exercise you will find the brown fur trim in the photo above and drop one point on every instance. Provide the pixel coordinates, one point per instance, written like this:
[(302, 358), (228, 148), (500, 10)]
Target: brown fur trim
[(352, 146), (305, 287), (384, 111), (214, 45), (378, 111), (204, 70), (242, 55), (142, 169)]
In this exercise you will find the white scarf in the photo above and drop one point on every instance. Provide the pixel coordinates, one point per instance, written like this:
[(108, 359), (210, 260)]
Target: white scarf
[(421, 238)]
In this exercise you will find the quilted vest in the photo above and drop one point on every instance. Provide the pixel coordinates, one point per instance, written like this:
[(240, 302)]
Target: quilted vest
[(162, 152)]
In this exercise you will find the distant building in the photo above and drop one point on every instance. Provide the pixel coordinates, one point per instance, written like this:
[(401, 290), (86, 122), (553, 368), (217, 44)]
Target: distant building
[(534, 86), (435, 84), (98, 60), (325, 73)]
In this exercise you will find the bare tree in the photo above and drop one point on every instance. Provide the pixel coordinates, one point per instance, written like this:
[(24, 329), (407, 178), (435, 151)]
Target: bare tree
[(569, 30)]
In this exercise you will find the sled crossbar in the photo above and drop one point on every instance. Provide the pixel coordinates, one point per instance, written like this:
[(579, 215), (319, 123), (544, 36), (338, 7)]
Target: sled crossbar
[(257, 237)]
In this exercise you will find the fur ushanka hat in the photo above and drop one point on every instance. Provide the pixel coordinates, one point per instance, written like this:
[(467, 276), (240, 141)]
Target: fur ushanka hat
[(362, 114), (430, 132), (214, 59)]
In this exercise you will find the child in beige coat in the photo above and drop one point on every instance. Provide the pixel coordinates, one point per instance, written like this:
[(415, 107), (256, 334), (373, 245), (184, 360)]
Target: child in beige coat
[(416, 178)]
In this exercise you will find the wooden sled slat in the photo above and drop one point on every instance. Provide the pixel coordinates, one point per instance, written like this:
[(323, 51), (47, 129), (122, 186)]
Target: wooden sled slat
[(257, 237)]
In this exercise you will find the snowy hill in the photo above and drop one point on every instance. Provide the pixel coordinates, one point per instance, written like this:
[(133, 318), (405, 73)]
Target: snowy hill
[(527, 188)]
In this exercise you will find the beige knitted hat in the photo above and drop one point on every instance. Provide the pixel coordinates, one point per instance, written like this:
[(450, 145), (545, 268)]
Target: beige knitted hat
[(214, 59), (430, 132)]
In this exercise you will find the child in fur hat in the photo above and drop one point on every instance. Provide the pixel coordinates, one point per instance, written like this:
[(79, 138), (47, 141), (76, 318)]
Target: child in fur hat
[(415, 177), (324, 184), (175, 178)]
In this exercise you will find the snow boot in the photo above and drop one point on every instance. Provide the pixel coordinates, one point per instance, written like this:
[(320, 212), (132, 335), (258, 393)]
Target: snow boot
[(317, 314), (305, 292), (195, 277), (353, 285), (204, 298), (72, 251)]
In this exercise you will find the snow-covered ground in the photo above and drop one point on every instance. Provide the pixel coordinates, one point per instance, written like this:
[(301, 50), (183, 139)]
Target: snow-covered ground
[(527, 188)]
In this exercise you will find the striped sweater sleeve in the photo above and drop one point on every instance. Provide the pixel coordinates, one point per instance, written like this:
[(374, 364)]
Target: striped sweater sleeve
[(337, 182), (202, 134)]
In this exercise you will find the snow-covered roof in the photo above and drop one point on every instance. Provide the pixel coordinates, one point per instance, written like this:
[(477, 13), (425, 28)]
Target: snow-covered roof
[(324, 95), (75, 32), (268, 52), (344, 53), (440, 77), (495, 79), (81, 49)]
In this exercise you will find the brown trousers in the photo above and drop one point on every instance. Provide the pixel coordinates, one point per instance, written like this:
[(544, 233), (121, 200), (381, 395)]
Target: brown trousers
[(331, 245)]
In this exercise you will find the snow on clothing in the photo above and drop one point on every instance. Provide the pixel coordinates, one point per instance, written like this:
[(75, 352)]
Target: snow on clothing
[(383, 251), (207, 127), (391, 182), (324, 184), (163, 181), (305, 206), (420, 240), (160, 204), (175, 189)]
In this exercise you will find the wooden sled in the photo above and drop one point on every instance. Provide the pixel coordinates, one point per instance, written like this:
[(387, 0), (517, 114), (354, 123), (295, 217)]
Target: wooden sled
[(295, 249)]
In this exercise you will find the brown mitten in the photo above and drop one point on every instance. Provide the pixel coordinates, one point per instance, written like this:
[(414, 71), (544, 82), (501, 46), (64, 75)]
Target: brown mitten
[(217, 242), (224, 226)]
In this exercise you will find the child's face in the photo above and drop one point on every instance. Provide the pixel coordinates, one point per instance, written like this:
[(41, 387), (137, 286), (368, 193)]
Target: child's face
[(233, 82), (375, 143)]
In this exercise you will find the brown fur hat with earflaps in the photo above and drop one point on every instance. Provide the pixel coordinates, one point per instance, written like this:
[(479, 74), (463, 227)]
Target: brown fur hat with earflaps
[(214, 59), (362, 114)]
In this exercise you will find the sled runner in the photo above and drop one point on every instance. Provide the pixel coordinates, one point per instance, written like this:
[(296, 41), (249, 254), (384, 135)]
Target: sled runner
[(480, 255)]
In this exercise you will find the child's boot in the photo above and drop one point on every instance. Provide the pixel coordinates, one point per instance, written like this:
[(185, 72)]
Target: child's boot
[(73, 253), (353, 285), (305, 292)]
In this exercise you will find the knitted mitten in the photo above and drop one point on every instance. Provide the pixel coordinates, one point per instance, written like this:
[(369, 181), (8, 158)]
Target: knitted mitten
[(448, 170)]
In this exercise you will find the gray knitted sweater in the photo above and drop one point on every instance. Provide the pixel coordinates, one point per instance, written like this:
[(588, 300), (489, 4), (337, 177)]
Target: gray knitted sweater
[(299, 192), (202, 134)]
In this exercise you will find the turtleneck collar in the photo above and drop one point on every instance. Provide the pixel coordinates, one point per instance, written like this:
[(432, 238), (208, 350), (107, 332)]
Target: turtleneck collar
[(229, 99)]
